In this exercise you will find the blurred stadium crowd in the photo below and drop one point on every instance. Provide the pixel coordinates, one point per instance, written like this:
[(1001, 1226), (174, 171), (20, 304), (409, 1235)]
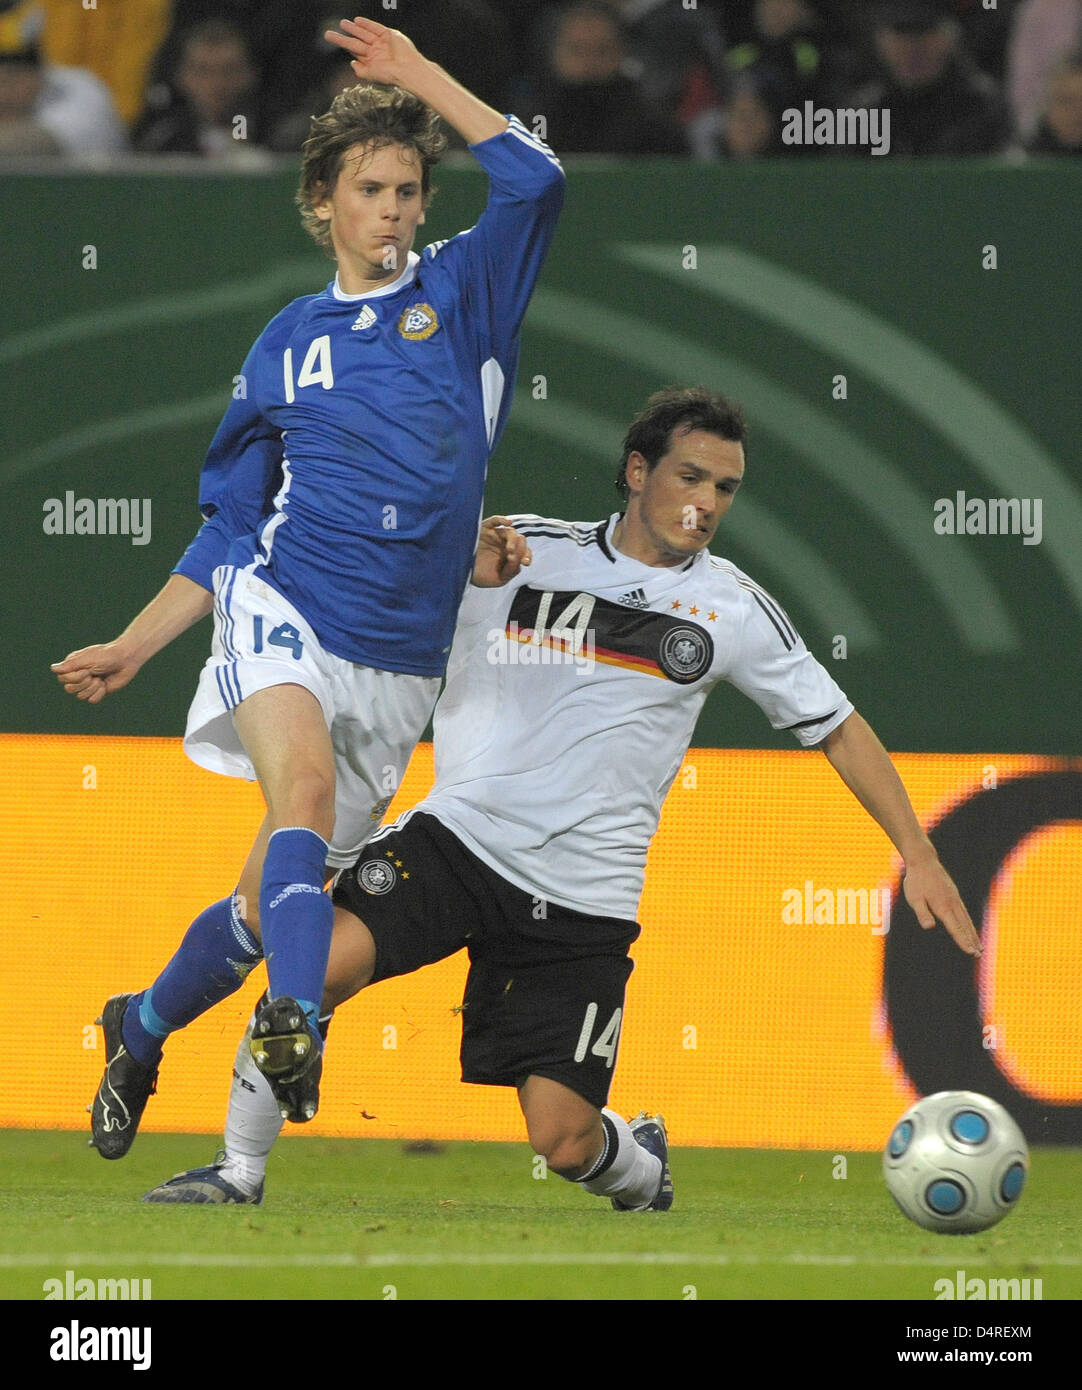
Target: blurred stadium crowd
[(236, 81)]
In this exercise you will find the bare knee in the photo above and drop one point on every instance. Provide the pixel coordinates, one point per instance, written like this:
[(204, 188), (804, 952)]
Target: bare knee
[(307, 801), (564, 1128), (352, 959), (569, 1150)]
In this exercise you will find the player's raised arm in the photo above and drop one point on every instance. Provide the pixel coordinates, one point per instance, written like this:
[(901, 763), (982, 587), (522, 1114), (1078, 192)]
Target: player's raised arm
[(864, 765), (91, 673), (495, 264), (386, 55)]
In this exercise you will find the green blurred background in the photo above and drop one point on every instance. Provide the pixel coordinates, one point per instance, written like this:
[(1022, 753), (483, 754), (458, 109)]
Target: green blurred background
[(958, 378)]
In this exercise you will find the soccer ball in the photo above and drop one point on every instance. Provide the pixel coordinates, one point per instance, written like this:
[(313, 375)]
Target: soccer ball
[(956, 1162)]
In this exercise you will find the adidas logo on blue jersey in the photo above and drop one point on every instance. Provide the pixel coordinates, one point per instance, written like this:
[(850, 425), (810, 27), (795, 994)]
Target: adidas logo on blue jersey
[(365, 319), (635, 599)]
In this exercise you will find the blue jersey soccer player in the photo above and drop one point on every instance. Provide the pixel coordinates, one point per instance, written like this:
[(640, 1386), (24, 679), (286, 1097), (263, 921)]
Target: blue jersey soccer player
[(342, 497), (571, 698)]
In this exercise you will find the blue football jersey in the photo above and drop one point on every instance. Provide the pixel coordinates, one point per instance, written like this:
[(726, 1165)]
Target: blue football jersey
[(353, 468)]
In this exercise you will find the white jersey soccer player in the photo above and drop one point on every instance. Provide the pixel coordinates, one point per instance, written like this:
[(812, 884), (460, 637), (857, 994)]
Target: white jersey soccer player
[(572, 694), (553, 678)]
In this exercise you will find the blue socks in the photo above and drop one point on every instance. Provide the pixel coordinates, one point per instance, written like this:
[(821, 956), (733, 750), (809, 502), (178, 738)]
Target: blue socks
[(211, 963), (218, 951), (296, 918)]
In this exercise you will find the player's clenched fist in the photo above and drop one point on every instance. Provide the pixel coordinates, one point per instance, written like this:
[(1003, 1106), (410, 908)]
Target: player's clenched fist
[(379, 54), (94, 672), (501, 553)]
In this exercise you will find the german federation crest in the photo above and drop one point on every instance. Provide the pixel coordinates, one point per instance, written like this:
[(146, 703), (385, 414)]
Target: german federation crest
[(376, 876), (684, 654), (418, 321)]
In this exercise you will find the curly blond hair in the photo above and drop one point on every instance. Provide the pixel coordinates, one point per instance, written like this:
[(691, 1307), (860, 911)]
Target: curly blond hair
[(372, 115)]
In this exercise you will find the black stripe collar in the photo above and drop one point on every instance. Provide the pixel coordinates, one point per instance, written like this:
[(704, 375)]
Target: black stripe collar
[(600, 537)]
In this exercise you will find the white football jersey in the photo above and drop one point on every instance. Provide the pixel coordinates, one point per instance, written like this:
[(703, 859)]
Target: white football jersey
[(571, 698)]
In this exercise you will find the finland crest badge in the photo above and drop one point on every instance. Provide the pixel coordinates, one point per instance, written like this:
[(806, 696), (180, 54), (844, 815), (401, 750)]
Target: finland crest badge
[(418, 321)]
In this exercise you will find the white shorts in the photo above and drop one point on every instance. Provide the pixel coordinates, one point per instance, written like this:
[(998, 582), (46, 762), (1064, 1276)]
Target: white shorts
[(375, 717)]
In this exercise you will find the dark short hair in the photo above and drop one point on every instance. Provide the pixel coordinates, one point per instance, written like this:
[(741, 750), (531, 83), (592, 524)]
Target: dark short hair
[(679, 410)]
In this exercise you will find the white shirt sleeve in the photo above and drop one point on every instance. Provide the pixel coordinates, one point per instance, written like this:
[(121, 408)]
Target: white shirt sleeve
[(771, 665)]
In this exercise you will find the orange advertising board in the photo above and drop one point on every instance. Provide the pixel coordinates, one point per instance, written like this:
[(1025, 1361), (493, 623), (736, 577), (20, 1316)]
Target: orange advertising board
[(756, 1016)]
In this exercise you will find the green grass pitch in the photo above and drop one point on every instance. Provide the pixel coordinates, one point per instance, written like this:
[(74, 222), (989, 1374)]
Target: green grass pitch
[(370, 1219)]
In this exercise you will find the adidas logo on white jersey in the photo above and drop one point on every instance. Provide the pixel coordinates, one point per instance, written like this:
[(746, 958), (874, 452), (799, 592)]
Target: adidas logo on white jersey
[(636, 598), (365, 319)]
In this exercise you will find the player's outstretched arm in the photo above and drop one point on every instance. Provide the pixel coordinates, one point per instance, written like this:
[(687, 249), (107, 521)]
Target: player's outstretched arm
[(388, 56), (94, 672), (501, 553), (864, 765)]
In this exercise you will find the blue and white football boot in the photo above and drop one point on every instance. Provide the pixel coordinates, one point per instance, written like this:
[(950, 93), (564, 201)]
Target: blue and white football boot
[(205, 1186), (649, 1133)]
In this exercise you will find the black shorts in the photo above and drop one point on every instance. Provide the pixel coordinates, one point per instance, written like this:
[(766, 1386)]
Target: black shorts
[(545, 991)]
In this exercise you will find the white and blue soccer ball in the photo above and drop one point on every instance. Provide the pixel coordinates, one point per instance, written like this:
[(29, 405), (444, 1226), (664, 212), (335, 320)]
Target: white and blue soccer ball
[(956, 1162)]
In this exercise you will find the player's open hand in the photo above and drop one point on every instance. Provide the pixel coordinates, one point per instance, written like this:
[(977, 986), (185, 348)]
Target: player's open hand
[(501, 553), (931, 893), (91, 673), (379, 54)]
